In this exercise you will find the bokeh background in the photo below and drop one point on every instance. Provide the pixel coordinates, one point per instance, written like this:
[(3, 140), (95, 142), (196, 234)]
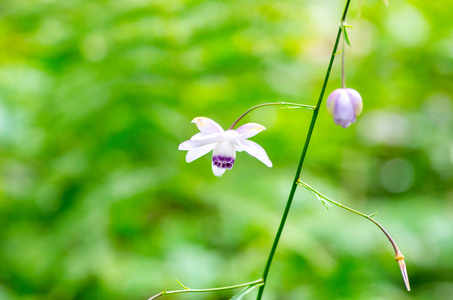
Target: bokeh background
[(96, 202)]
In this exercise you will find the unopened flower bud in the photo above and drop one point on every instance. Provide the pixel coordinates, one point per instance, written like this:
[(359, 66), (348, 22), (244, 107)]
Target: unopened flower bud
[(399, 257), (344, 105)]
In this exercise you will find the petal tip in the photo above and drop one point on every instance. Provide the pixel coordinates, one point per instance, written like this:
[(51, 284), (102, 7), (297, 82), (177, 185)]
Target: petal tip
[(399, 257), (197, 120), (218, 171)]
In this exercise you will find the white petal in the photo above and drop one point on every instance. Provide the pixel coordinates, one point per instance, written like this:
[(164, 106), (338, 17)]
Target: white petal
[(225, 149), (254, 150), (207, 126), (223, 157), (344, 109), (218, 171), (356, 101), (198, 152), (203, 136), (250, 129), (200, 141)]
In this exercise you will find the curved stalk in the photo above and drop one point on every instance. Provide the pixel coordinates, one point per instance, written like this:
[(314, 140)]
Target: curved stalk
[(297, 105), (399, 257)]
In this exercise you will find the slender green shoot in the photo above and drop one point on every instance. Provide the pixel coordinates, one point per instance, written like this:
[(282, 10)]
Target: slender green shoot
[(284, 104), (398, 255), (248, 285)]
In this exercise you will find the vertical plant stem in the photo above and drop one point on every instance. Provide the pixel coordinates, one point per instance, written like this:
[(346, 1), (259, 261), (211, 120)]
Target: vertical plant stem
[(343, 80), (302, 157)]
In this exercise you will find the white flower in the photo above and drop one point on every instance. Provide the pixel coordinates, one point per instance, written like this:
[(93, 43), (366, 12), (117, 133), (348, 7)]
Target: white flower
[(224, 143)]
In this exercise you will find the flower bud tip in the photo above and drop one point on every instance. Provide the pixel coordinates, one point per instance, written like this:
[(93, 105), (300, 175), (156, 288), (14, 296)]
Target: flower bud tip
[(399, 257)]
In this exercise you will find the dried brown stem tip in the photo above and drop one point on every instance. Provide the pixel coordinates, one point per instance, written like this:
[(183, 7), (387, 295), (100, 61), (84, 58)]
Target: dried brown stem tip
[(399, 257)]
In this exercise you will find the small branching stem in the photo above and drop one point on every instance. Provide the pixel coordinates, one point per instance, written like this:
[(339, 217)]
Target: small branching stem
[(399, 257), (369, 217), (285, 104), (258, 282)]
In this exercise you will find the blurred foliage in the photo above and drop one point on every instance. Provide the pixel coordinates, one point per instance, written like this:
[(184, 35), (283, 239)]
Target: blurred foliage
[(96, 202)]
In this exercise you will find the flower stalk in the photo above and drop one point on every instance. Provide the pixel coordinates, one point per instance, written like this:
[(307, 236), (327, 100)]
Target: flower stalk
[(344, 104), (285, 104), (399, 257), (302, 157), (343, 80)]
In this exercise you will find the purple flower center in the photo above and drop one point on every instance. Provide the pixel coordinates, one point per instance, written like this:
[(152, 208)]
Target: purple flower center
[(223, 162)]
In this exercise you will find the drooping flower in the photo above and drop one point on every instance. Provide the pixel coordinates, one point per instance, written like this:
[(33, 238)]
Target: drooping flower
[(344, 105), (224, 143)]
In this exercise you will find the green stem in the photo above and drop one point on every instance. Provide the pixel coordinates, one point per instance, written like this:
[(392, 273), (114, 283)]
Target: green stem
[(369, 217), (302, 157), (399, 257), (269, 104), (343, 80), (189, 290)]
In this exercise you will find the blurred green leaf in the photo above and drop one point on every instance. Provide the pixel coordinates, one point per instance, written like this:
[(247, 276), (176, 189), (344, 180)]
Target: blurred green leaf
[(96, 202)]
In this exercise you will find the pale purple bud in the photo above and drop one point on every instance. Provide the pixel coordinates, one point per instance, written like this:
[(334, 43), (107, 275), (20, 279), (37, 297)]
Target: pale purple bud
[(344, 105)]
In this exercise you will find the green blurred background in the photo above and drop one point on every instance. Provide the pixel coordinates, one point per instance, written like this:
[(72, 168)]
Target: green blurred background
[(96, 202)]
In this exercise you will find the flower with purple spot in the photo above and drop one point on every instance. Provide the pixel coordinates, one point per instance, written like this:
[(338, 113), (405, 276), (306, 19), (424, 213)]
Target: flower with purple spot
[(344, 105), (224, 143)]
